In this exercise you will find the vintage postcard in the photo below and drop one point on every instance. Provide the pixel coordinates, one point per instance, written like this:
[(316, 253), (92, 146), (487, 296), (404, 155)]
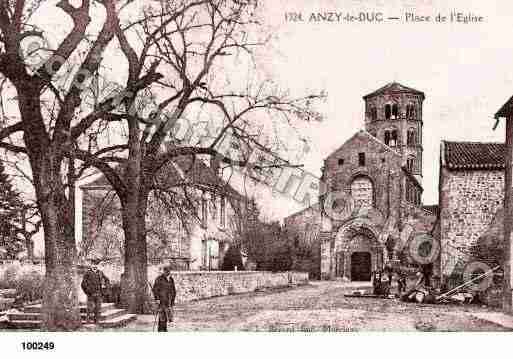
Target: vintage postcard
[(324, 166)]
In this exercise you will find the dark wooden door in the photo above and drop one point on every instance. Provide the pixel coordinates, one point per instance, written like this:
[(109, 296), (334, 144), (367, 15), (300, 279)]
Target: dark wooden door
[(361, 266)]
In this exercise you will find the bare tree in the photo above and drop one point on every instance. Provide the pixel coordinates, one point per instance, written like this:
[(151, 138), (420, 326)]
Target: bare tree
[(191, 44), (46, 124), (179, 49)]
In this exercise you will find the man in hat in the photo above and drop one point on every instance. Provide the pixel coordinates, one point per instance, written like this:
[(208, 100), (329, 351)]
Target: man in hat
[(94, 285), (164, 292)]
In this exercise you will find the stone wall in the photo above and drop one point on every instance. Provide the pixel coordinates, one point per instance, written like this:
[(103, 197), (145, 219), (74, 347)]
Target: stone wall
[(469, 201), (198, 285), (382, 167), (191, 285)]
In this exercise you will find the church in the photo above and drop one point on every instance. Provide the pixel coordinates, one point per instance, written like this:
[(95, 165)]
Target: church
[(374, 184)]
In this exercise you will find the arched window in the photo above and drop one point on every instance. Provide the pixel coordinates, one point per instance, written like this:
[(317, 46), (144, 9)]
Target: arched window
[(395, 111), (411, 141), (410, 164), (362, 192), (394, 140), (390, 138), (410, 111), (388, 111)]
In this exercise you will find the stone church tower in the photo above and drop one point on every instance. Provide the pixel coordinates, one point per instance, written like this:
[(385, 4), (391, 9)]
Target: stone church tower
[(393, 114), (370, 202)]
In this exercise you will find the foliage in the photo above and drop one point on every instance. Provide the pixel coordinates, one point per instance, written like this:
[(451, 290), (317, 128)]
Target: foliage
[(29, 286), (232, 259), (28, 282), (11, 206), (179, 55), (266, 244), (8, 277)]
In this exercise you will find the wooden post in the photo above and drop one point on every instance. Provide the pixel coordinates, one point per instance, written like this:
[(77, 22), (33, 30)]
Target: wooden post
[(506, 296)]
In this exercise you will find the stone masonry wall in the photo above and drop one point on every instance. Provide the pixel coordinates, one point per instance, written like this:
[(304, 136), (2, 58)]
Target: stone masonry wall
[(401, 124), (198, 285), (382, 167), (192, 285), (469, 201)]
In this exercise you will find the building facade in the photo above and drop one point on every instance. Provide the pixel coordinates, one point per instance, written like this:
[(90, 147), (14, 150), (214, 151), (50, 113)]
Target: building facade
[(471, 194), (198, 242)]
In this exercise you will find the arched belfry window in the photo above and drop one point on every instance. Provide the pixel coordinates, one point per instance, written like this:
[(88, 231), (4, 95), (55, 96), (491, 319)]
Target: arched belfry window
[(411, 140), (390, 137), (388, 111), (362, 192), (410, 111), (395, 111), (391, 111), (410, 164)]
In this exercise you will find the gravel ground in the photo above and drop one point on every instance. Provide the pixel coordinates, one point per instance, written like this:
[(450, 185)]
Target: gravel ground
[(319, 306)]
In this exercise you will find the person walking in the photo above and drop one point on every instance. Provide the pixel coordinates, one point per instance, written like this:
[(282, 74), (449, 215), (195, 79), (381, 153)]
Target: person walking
[(165, 292), (94, 285)]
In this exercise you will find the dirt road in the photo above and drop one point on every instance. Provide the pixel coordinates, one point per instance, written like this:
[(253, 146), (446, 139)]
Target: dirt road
[(319, 306)]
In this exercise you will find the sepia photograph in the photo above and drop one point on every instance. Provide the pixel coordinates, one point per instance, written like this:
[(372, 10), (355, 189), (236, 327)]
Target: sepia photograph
[(242, 166)]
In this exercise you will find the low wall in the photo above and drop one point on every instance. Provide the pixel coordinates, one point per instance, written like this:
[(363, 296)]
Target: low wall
[(197, 285), (191, 285)]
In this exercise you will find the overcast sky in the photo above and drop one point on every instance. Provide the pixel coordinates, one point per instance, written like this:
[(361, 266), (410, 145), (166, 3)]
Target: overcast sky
[(465, 70)]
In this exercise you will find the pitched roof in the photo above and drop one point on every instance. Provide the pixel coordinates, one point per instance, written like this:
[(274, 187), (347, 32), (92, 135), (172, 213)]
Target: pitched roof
[(394, 87), (506, 110), (473, 155), (363, 132)]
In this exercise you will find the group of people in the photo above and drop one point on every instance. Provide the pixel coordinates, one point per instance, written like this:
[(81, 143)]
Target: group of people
[(420, 292), (95, 285)]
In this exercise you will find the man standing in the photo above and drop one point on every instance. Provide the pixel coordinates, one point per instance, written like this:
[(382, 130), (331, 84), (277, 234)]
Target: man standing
[(94, 284), (164, 291)]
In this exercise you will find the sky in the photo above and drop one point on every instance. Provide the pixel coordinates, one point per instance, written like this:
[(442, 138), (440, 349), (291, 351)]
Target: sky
[(464, 70)]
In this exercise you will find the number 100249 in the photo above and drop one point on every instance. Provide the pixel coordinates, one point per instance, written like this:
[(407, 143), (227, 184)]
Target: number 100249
[(38, 345)]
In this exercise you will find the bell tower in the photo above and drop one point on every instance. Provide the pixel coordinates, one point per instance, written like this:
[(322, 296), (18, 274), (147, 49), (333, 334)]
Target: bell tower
[(393, 114)]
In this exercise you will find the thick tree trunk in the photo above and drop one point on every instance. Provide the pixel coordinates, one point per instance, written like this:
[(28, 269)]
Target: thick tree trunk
[(136, 288), (60, 302)]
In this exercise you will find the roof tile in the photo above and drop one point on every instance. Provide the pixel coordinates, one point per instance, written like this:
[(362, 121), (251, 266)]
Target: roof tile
[(474, 155), (394, 87)]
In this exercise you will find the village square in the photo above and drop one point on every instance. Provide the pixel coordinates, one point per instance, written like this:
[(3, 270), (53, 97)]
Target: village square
[(164, 168)]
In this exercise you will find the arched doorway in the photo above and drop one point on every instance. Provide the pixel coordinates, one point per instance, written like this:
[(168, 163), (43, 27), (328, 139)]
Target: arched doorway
[(357, 252), (361, 266)]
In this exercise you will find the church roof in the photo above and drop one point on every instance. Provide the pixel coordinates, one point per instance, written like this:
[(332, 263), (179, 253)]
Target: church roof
[(183, 170), (473, 155), (394, 87), (363, 132)]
